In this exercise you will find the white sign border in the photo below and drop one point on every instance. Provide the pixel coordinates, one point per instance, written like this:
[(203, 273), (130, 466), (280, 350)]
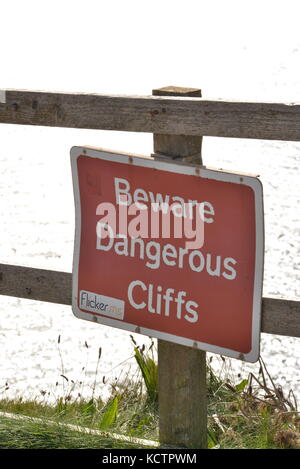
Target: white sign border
[(203, 172)]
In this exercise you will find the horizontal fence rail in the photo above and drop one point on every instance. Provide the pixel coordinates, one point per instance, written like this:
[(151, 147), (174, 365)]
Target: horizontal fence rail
[(279, 316), (155, 114)]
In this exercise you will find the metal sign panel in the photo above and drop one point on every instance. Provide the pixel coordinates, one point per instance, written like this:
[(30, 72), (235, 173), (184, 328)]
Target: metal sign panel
[(169, 250)]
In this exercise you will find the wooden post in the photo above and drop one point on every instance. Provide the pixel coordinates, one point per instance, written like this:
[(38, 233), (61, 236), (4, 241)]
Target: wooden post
[(182, 370)]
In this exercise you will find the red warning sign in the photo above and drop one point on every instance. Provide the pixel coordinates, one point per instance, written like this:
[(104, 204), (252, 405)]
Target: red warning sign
[(169, 251)]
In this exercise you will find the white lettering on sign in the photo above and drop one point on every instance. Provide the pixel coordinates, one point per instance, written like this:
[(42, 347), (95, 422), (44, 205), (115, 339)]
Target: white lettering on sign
[(161, 202), (158, 302), (154, 255)]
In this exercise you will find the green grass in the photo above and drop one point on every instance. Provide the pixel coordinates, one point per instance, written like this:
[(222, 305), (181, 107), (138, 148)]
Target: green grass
[(126, 412), (253, 414), (31, 435)]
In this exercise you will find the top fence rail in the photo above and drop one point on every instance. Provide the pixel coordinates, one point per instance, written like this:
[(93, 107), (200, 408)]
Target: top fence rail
[(154, 114)]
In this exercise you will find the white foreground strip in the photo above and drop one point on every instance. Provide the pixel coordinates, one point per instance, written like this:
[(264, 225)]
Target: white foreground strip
[(77, 428)]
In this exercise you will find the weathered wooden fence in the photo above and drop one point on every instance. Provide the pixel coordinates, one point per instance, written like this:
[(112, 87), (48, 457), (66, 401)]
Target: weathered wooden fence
[(178, 119)]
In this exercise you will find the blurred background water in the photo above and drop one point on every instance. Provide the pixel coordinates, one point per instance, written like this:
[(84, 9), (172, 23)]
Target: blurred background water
[(238, 50)]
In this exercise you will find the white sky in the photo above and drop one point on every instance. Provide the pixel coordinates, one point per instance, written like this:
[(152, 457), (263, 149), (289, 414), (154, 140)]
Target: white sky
[(231, 49)]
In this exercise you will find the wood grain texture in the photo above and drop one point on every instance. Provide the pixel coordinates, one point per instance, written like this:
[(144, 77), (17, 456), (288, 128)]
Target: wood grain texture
[(154, 114), (279, 316), (180, 147), (182, 396), (181, 370), (36, 284)]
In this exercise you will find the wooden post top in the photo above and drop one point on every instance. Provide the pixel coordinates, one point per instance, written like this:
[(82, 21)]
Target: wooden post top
[(177, 91), (182, 147)]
